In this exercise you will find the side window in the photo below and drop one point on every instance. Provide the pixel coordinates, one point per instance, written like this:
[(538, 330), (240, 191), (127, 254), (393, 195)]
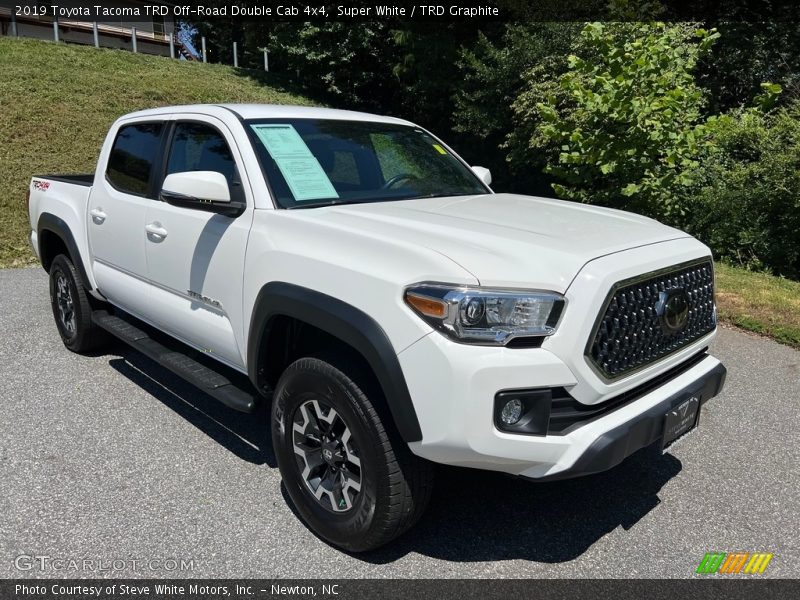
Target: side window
[(200, 147), (131, 160)]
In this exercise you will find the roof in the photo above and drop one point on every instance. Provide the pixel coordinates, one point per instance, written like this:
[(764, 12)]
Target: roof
[(274, 111)]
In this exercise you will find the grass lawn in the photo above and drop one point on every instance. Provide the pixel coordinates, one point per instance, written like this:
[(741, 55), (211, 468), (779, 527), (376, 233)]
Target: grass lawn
[(57, 102), (757, 302)]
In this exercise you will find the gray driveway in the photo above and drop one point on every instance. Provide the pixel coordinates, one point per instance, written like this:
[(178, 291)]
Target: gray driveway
[(109, 457)]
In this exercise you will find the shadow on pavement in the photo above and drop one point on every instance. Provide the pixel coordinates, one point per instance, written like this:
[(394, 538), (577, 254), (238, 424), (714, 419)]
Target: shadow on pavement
[(473, 515), (246, 435), (484, 516)]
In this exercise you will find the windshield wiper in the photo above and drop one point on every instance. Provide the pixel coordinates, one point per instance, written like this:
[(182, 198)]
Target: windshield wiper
[(341, 202), (372, 200)]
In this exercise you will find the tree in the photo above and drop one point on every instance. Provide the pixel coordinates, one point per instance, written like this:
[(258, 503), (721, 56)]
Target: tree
[(493, 72), (423, 65), (747, 206), (625, 123), (747, 54), (336, 62)]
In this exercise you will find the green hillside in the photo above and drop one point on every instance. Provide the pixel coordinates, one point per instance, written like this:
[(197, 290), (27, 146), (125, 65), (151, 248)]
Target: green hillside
[(57, 102)]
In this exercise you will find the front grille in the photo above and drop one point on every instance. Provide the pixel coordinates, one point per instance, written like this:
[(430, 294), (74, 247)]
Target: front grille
[(631, 334)]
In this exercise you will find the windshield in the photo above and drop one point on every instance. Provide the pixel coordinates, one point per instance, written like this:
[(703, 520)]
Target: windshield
[(314, 162)]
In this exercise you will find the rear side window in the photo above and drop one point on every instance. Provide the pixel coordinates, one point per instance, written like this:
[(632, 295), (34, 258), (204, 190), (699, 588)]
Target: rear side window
[(200, 147), (131, 161)]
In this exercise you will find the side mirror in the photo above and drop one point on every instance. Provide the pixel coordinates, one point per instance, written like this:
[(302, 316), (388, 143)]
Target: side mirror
[(484, 174), (201, 190)]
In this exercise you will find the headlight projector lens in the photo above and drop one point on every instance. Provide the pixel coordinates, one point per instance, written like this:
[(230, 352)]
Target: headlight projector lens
[(472, 311)]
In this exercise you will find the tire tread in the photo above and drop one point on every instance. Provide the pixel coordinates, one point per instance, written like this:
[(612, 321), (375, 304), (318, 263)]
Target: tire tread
[(89, 336), (409, 478)]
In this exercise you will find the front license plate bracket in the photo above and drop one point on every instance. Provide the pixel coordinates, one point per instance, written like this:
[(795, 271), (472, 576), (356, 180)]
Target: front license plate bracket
[(681, 419)]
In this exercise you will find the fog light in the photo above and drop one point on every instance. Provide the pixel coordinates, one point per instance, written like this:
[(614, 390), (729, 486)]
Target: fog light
[(511, 412)]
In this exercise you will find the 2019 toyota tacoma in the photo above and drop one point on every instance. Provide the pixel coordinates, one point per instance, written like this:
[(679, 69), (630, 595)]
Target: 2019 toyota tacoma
[(352, 270)]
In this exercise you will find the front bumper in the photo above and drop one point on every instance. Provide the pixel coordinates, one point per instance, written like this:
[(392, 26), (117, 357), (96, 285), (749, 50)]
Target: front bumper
[(453, 385), (453, 397), (615, 445)]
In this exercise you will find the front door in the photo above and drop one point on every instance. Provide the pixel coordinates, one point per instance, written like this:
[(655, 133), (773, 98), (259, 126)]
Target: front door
[(195, 258)]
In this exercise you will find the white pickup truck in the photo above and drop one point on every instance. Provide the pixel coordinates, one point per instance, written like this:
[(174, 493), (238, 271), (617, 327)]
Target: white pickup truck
[(352, 270)]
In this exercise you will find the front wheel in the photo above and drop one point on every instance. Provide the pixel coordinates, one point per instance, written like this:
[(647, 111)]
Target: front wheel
[(352, 480)]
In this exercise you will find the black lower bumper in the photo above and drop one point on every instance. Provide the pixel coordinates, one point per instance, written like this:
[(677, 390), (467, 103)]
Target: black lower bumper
[(616, 445)]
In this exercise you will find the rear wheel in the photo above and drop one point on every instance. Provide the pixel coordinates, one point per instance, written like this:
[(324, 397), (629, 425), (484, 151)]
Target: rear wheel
[(353, 481), (72, 309)]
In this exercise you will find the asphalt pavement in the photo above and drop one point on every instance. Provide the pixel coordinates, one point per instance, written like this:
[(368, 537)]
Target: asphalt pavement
[(111, 458)]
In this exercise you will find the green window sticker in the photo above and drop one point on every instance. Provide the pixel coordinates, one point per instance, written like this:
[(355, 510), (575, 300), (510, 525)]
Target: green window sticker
[(300, 168)]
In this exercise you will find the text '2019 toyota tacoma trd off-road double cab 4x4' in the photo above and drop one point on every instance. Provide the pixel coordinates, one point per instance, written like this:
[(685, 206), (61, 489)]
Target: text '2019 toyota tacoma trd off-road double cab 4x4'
[(352, 270)]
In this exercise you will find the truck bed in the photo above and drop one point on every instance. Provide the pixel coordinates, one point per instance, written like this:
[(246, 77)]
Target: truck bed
[(58, 203)]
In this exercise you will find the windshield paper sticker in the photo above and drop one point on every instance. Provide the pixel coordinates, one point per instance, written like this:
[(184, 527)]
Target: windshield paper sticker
[(302, 171)]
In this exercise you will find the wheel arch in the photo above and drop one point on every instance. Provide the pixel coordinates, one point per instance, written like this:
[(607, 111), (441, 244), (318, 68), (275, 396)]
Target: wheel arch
[(278, 301), (54, 234)]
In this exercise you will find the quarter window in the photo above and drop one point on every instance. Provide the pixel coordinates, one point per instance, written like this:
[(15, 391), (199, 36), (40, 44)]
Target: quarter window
[(131, 161)]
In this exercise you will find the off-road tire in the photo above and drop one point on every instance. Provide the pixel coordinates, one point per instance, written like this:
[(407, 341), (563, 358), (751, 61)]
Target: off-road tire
[(77, 332), (395, 484)]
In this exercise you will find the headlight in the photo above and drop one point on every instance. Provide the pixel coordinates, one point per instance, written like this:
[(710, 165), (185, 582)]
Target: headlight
[(486, 316)]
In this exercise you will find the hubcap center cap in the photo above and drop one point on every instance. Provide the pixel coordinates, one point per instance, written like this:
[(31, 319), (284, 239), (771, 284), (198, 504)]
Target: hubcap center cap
[(332, 453)]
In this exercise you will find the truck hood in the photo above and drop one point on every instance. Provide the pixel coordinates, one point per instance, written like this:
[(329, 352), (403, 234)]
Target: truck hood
[(505, 240)]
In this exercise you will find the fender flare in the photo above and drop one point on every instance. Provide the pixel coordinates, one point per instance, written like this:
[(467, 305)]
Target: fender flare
[(345, 322), (50, 222)]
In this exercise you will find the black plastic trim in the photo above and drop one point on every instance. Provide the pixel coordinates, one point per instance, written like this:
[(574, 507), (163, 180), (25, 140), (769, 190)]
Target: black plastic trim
[(614, 446), (229, 109), (535, 417), (177, 357), (160, 163), (345, 322), (526, 342), (82, 179), (50, 222), (567, 414)]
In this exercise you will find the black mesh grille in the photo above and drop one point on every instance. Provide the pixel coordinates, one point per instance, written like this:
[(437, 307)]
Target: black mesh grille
[(631, 334)]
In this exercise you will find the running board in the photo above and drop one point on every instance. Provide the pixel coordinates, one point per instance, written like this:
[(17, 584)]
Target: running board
[(199, 375)]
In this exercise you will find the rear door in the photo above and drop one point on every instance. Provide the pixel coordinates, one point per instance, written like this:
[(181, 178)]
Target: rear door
[(117, 209), (196, 261)]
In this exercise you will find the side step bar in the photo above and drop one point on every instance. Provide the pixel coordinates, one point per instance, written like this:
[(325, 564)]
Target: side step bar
[(199, 375)]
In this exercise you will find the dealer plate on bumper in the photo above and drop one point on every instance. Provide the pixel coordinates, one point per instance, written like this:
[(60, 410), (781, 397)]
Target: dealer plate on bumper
[(681, 420)]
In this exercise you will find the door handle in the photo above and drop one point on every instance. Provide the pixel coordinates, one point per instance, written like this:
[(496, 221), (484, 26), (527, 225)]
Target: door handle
[(155, 230), (98, 216)]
